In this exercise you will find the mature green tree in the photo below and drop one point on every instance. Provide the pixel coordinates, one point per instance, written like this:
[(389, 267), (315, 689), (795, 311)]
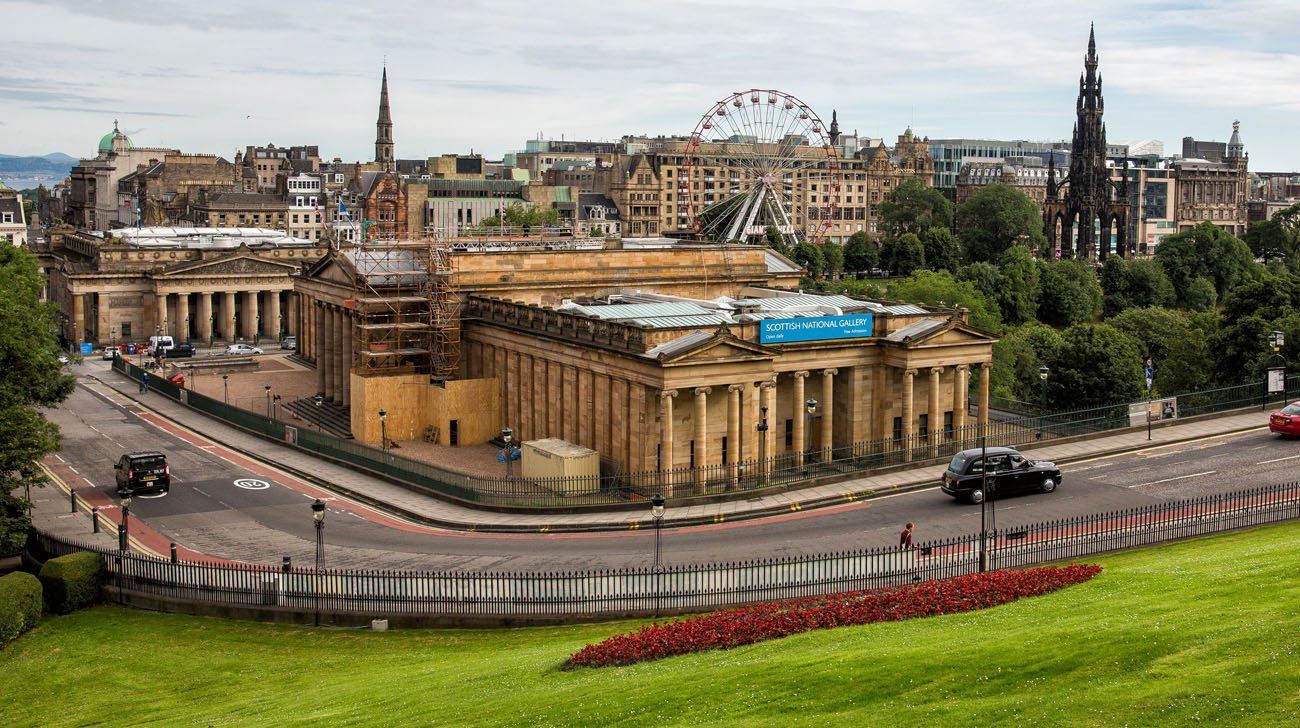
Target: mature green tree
[(1208, 251), (1177, 343), (810, 257), (942, 252), (33, 379), (1200, 295), (1068, 292), (833, 254), (520, 215), (941, 289), (912, 207), (1270, 240), (1248, 314), (996, 217), (986, 277), (861, 254), (902, 255), (1016, 358), (1095, 365), (1017, 292), (1136, 283)]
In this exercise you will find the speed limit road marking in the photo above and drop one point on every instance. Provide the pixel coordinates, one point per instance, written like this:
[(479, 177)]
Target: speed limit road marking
[(250, 484)]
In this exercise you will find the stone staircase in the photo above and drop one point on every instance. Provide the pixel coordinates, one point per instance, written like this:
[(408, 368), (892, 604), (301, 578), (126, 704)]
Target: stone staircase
[(331, 418)]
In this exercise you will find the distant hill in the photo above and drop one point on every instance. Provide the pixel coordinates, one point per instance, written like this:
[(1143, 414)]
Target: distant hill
[(27, 172)]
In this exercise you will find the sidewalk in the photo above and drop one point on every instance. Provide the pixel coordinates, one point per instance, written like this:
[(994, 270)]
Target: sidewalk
[(435, 512)]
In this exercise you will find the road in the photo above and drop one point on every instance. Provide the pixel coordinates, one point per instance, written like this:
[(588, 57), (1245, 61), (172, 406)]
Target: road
[(268, 516)]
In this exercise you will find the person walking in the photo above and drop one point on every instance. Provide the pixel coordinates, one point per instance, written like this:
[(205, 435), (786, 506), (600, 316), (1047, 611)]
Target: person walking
[(144, 383), (905, 538)]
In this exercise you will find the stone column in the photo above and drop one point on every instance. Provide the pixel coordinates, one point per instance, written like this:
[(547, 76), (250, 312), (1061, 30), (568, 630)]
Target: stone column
[(666, 437), (909, 413), (160, 314), (767, 393), (228, 316), (271, 325), (959, 400), (733, 429), (347, 358), (800, 437), (701, 422), (183, 316), (828, 414), (204, 329), (936, 416), (985, 369), (324, 349), (880, 405), (252, 320), (78, 318), (336, 351)]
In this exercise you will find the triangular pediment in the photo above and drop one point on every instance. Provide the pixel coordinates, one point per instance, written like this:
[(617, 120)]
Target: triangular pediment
[(237, 264), (939, 332), (333, 268), (718, 347)]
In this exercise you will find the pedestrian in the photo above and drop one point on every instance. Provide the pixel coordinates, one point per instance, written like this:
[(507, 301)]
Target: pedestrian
[(144, 383), (905, 538)]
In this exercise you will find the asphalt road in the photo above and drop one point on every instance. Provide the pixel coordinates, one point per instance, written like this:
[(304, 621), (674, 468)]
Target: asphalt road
[(209, 512)]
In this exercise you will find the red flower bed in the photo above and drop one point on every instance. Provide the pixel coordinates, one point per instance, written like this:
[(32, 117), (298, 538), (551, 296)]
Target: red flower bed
[(747, 625)]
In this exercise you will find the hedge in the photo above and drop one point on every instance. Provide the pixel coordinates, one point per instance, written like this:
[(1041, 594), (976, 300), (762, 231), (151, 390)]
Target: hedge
[(72, 582), (20, 604)]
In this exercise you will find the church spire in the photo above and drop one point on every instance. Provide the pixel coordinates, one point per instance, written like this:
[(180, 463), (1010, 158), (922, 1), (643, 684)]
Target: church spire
[(835, 127), (384, 128)]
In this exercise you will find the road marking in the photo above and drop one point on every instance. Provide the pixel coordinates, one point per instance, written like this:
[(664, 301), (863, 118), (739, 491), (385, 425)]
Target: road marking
[(1169, 444), (1177, 477), (252, 484), (1277, 460)]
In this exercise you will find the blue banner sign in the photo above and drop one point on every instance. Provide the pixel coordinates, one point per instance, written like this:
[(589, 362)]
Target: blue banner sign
[(820, 328)]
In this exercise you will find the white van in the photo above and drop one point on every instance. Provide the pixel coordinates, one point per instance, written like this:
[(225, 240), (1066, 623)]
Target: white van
[(161, 343)]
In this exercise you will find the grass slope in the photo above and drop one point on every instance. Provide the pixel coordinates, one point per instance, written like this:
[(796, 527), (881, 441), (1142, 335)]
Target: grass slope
[(1205, 630)]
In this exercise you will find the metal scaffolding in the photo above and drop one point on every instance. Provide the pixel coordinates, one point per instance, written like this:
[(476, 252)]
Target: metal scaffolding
[(406, 307)]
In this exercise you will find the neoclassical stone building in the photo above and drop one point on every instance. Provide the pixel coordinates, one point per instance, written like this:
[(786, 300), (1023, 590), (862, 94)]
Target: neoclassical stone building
[(196, 284)]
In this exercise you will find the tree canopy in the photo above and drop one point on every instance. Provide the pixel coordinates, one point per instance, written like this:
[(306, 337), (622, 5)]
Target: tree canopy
[(1177, 343), (1095, 365), (941, 289), (520, 215), (942, 252), (912, 207), (996, 217), (902, 255), (1068, 292), (1134, 283), (1206, 251), (861, 254), (1016, 358)]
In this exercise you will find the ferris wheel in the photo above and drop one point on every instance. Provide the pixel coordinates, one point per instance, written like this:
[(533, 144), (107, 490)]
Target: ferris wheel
[(760, 159)]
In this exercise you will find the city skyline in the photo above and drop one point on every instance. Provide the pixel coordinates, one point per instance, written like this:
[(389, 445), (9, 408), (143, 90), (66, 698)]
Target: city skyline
[(214, 83)]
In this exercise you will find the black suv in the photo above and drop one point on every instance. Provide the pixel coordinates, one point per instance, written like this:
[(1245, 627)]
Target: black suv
[(180, 350), (1008, 472), (145, 472)]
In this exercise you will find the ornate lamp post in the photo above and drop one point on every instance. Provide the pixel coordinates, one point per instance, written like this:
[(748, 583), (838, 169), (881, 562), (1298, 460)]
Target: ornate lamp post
[(657, 510), (508, 435), (318, 515), (383, 430), (267, 387), (1043, 371), (124, 534), (762, 440), (811, 407), (320, 402), (225, 388)]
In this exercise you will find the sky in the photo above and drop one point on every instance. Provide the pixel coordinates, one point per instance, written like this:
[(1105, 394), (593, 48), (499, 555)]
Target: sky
[(487, 76)]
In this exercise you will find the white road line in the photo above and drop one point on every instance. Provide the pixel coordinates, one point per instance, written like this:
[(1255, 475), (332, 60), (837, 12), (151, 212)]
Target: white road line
[(78, 472), (1177, 477), (1277, 460), (88, 481)]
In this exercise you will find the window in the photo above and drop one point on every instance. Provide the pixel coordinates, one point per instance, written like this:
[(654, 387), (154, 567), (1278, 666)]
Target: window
[(8, 217), (724, 449), (692, 453), (453, 433), (898, 428), (947, 422), (925, 427)]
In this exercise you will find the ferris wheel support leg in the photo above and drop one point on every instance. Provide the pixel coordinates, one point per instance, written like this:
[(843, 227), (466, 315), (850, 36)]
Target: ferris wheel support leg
[(756, 203), (745, 212), (791, 238)]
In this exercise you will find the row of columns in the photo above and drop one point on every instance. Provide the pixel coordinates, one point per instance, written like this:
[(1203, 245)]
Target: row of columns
[(327, 339), (252, 322)]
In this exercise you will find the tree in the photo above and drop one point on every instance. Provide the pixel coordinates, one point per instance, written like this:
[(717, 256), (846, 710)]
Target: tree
[(1248, 313), (1095, 365), (942, 252), (986, 277), (1017, 290), (1208, 251), (861, 254), (902, 255), (520, 215), (1068, 292), (1269, 240), (810, 257), (833, 253), (941, 289), (912, 207), (1016, 358), (1137, 283), (996, 217), (1176, 342), (33, 379), (1200, 295)]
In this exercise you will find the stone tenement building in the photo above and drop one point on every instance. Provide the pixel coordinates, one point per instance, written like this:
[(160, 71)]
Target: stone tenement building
[(13, 218), (163, 192), (659, 359), (197, 285), (1215, 190), (1027, 174), (92, 200)]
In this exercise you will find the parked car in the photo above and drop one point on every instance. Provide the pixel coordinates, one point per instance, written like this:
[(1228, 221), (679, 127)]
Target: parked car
[(1286, 421), (109, 353), (181, 350), (289, 342), (1008, 472), (243, 349), (165, 343), (63, 359), (145, 472)]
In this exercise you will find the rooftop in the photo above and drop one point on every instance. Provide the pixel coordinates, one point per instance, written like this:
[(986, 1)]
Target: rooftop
[(207, 238)]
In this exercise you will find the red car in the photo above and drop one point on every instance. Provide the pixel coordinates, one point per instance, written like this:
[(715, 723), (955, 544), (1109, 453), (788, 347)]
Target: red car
[(1286, 421)]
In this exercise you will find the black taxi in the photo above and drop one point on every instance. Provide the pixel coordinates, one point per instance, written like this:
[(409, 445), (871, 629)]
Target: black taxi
[(144, 472), (1008, 472)]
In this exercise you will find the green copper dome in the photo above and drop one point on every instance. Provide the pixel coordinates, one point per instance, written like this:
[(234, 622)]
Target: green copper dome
[(106, 141)]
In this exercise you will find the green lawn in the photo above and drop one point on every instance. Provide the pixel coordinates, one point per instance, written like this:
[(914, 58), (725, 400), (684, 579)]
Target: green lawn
[(1200, 631)]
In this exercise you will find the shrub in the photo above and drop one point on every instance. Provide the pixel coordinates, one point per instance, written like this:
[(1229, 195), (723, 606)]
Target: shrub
[(747, 625), (72, 582), (20, 604)]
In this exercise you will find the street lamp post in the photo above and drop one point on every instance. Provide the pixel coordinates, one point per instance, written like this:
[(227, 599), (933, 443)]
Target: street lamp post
[(257, 329), (267, 387), (275, 407), (1150, 377), (320, 402), (114, 330), (811, 407), (383, 430), (657, 510), (1042, 419), (212, 326), (507, 435), (762, 441), (984, 499), (318, 515), (124, 533), (225, 388)]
